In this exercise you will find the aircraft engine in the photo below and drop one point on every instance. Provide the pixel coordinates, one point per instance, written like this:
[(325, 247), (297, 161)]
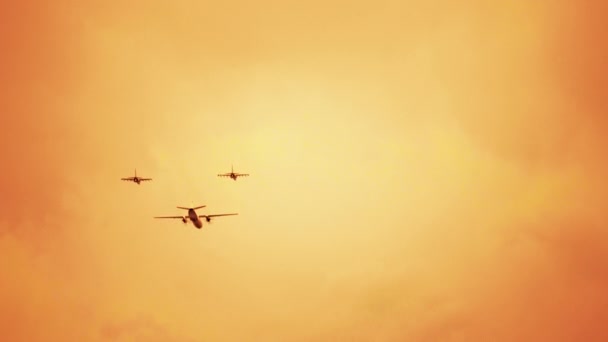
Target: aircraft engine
[(184, 220), (208, 219)]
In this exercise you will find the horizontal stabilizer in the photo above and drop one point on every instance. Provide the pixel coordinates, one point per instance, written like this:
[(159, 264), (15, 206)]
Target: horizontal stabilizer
[(199, 207)]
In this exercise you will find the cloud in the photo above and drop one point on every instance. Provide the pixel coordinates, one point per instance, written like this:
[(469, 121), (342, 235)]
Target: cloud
[(547, 284), (465, 202), (36, 144), (140, 329)]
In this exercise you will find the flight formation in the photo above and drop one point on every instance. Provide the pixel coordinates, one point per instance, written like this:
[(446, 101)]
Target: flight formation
[(192, 215)]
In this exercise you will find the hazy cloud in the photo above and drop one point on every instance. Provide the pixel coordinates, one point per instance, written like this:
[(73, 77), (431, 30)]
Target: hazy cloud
[(434, 178), (140, 329)]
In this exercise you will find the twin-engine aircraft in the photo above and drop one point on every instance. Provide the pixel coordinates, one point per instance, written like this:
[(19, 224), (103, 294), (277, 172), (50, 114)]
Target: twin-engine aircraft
[(136, 179), (194, 217), (233, 174)]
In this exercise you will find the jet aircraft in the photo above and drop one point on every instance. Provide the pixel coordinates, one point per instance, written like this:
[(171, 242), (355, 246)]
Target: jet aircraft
[(194, 217), (233, 174), (136, 179)]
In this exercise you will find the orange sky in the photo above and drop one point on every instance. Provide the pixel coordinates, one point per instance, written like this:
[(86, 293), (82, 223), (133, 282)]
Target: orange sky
[(420, 171)]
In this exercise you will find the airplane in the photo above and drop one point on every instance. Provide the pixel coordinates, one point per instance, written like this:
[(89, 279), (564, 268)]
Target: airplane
[(136, 179), (193, 217), (232, 174)]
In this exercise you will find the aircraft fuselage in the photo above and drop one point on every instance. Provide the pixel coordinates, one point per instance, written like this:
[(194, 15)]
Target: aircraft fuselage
[(196, 221)]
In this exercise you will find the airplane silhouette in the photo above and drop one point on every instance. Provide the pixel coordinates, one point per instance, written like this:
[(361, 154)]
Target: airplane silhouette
[(136, 179), (193, 217), (233, 174)]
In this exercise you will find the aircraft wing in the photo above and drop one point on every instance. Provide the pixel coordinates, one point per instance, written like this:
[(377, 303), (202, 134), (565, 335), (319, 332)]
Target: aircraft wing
[(169, 217), (224, 175), (215, 215), (241, 174), (127, 179), (145, 179)]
